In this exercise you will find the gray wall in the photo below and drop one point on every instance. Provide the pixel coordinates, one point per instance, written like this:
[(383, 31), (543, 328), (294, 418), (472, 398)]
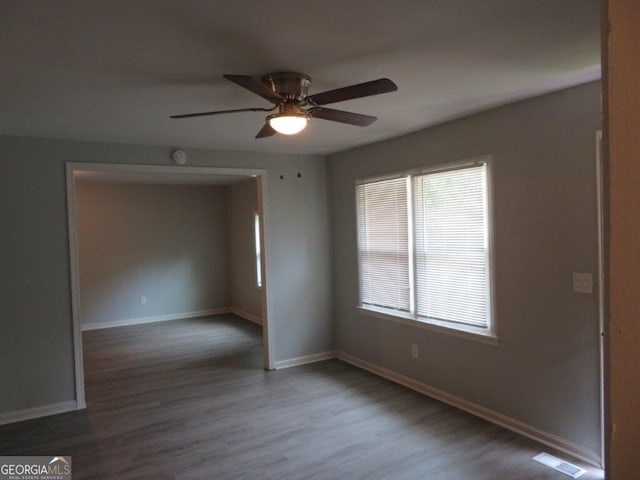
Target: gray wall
[(242, 203), (35, 298), (545, 370), (165, 242)]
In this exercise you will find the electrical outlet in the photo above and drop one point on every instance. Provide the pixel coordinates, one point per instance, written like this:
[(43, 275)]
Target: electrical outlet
[(143, 300), (582, 282), (415, 353)]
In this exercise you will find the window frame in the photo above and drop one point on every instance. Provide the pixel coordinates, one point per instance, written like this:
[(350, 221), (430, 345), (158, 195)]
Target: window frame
[(487, 335)]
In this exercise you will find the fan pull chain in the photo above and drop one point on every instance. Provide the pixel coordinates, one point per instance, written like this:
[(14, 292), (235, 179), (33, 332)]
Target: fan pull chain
[(298, 156)]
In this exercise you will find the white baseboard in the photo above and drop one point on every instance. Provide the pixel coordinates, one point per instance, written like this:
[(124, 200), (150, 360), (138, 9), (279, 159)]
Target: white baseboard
[(37, 412), (492, 416), (155, 318), (246, 315), (294, 362)]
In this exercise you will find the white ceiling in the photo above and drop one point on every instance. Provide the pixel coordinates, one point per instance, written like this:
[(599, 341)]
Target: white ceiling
[(115, 70)]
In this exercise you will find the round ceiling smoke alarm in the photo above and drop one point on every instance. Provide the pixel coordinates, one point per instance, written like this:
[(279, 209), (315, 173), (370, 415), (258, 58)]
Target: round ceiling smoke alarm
[(179, 157)]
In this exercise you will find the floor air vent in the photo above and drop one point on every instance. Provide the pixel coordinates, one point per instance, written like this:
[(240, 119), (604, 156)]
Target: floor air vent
[(559, 465)]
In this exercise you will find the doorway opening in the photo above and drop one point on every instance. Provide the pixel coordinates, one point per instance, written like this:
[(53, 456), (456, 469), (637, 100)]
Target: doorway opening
[(188, 274)]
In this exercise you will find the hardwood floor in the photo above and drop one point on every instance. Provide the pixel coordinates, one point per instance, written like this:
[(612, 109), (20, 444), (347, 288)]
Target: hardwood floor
[(188, 400)]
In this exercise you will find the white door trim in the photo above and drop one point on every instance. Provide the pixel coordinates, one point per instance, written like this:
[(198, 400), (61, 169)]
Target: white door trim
[(72, 168), (601, 285), (75, 288)]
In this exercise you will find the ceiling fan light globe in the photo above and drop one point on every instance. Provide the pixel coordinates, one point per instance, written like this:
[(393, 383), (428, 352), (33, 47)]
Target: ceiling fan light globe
[(288, 124)]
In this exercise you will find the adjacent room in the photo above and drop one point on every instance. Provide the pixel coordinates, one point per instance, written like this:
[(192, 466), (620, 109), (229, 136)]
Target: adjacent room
[(156, 247), (357, 239), (149, 249)]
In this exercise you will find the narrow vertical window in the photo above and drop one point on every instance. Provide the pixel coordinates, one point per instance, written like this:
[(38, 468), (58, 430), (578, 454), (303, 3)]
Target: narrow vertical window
[(256, 232)]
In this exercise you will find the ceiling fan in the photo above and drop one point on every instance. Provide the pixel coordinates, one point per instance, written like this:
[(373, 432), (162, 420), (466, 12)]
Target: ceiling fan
[(288, 91)]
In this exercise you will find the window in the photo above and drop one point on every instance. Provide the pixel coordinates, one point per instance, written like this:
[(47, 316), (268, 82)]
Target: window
[(256, 234), (384, 244), (423, 247)]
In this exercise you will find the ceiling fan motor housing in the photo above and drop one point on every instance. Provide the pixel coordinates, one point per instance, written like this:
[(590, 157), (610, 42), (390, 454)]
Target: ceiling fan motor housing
[(293, 86)]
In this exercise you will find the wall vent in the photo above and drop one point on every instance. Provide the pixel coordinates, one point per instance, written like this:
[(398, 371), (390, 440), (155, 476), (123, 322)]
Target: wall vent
[(559, 465)]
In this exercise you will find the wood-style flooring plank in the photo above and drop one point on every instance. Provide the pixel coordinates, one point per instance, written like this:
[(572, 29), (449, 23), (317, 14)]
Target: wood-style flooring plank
[(188, 399)]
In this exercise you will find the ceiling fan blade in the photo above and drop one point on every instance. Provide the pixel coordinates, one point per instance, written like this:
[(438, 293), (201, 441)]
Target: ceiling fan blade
[(256, 87), (342, 116), (266, 131), (374, 87), (219, 112)]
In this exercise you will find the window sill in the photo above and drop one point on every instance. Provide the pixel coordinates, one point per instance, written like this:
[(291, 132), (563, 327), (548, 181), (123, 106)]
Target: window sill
[(462, 331)]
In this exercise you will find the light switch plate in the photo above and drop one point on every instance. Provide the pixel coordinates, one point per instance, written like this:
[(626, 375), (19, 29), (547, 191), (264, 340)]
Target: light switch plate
[(582, 282)]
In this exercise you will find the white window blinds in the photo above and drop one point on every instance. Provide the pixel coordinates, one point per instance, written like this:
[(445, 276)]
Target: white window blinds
[(451, 248), (383, 244)]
